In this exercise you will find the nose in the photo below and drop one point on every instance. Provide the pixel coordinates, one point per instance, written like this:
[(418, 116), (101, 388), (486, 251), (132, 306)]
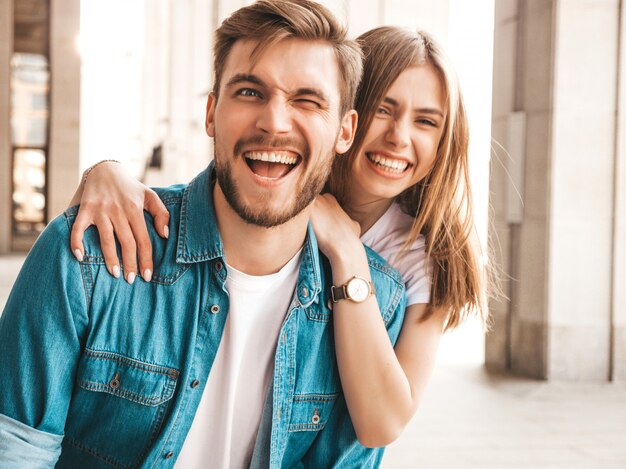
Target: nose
[(275, 117), (398, 133)]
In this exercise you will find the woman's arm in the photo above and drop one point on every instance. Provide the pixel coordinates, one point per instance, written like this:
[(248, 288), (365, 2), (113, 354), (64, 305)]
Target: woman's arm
[(114, 202), (383, 387)]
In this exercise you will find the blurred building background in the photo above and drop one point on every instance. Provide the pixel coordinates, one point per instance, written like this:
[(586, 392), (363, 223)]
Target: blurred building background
[(545, 87)]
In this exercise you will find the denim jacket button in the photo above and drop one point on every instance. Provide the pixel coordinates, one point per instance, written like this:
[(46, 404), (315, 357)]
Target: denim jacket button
[(215, 309), (315, 419), (305, 292), (115, 382), (169, 455), (195, 383), (219, 266)]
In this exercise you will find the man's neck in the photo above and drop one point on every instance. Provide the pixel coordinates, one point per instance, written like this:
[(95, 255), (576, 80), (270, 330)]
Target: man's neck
[(253, 249)]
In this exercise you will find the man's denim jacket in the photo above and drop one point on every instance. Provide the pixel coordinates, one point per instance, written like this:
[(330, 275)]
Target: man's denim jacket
[(99, 373)]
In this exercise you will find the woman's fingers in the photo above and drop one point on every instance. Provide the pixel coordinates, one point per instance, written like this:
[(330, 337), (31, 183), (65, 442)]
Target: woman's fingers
[(129, 247), (155, 207), (107, 244), (144, 246), (82, 222)]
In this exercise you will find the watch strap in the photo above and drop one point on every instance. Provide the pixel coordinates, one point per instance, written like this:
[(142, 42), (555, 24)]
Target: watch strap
[(338, 293), (341, 292)]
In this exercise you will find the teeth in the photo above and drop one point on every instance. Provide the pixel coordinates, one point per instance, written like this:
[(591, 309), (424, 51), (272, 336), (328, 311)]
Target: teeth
[(388, 164), (272, 157)]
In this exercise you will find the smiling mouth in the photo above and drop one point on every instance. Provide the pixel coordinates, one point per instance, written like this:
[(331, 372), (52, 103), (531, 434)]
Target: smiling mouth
[(389, 165), (271, 164)]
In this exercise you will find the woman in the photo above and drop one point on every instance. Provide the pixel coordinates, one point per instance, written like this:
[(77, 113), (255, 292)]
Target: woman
[(405, 183)]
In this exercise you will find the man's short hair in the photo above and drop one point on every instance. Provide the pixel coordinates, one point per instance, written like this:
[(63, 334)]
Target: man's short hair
[(270, 21)]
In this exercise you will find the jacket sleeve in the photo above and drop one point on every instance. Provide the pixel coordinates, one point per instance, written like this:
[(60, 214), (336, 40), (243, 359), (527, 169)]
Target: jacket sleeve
[(41, 328), (337, 446)]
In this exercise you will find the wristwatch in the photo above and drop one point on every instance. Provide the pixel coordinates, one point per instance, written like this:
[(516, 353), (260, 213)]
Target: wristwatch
[(356, 289)]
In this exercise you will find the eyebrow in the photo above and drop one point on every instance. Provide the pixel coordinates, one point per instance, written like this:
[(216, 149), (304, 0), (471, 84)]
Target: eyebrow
[(244, 78), (421, 110), (319, 94)]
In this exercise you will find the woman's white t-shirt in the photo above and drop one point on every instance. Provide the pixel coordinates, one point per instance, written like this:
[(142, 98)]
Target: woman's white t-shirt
[(387, 237)]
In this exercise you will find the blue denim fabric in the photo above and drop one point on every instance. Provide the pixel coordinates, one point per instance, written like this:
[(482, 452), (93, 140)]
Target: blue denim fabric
[(98, 373)]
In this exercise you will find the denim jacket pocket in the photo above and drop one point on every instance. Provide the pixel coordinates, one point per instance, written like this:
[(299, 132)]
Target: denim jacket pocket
[(117, 409), (310, 412), (137, 381)]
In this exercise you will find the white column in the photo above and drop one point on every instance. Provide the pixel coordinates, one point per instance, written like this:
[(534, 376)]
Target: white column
[(581, 202), (6, 51), (619, 213), (186, 83), (64, 156), (561, 251)]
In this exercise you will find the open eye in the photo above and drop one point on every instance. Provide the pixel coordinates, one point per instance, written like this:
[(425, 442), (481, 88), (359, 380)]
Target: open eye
[(248, 92), (428, 122), (383, 111)]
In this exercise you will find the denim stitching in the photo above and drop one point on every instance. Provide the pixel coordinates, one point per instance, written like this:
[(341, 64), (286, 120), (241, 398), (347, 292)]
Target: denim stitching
[(275, 400), (171, 200), (165, 396), (183, 219), (315, 270), (399, 293), (175, 425), (322, 317), (170, 279), (84, 273), (142, 366), (95, 259), (315, 397), (156, 426), (290, 369), (300, 427)]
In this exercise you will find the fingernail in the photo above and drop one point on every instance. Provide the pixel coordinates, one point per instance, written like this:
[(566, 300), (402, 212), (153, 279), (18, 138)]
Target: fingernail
[(78, 255), (166, 232), (147, 275), (130, 278), (116, 271)]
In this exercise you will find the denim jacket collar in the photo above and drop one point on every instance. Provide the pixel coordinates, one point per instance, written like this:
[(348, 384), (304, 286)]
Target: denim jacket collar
[(309, 279), (199, 239)]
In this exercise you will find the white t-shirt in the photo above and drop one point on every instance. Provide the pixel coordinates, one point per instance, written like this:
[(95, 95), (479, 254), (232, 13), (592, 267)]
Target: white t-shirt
[(387, 237), (224, 428)]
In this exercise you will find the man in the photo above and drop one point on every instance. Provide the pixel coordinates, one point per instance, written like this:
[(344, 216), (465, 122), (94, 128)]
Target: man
[(226, 357)]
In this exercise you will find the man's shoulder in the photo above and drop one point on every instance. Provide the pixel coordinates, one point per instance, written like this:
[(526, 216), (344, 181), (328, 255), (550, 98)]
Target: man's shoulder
[(380, 268), (390, 290), (171, 196)]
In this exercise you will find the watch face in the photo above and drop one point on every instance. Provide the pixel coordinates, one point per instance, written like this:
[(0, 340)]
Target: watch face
[(358, 289)]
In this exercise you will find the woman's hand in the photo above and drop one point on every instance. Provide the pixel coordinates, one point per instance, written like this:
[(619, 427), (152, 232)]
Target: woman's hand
[(114, 202), (335, 231)]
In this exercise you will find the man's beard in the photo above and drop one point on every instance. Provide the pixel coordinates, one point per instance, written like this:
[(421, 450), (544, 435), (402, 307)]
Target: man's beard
[(305, 191)]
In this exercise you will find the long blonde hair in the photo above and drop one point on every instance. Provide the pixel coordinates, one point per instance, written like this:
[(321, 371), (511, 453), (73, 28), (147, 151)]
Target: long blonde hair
[(440, 203)]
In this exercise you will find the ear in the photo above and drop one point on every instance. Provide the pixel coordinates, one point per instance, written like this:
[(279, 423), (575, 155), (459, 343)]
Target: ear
[(209, 123), (346, 133)]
